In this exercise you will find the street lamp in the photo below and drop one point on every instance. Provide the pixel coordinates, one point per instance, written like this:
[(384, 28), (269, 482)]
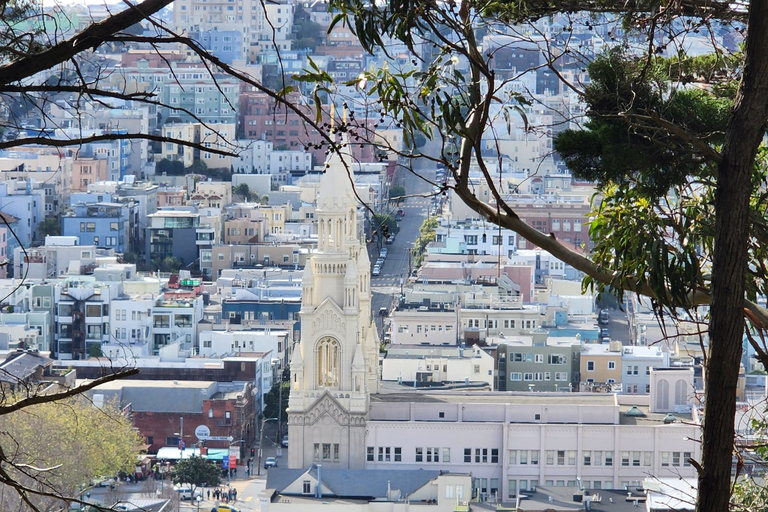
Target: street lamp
[(198, 499)]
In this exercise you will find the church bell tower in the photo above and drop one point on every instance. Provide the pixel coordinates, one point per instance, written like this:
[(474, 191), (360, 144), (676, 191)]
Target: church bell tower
[(334, 367)]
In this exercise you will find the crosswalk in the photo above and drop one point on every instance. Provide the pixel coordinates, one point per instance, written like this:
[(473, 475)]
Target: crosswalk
[(385, 281)]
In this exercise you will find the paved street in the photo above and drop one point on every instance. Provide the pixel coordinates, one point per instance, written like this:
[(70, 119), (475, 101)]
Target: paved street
[(395, 271)]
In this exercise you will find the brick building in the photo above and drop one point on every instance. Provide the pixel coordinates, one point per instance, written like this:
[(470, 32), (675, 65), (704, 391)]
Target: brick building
[(167, 412)]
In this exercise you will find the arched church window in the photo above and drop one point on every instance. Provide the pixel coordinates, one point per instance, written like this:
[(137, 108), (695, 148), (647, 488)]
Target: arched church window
[(328, 363)]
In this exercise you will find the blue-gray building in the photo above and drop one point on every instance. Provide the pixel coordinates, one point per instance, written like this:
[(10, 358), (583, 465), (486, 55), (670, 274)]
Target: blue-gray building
[(226, 45), (95, 220)]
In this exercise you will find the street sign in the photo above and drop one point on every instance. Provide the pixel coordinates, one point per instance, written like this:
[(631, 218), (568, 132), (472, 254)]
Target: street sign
[(215, 438), (202, 432), (225, 463), (232, 461)]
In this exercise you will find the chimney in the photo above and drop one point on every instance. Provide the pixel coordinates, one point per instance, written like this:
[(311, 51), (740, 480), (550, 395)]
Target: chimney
[(319, 488)]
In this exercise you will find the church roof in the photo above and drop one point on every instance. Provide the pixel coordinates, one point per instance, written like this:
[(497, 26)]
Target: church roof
[(350, 483)]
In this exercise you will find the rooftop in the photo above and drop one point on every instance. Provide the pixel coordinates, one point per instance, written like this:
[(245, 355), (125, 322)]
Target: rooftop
[(399, 394)]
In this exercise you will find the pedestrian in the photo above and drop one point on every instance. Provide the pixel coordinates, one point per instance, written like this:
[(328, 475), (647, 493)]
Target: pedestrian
[(209, 494), (234, 494)]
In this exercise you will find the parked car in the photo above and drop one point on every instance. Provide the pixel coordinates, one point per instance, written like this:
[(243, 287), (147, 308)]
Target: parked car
[(390, 239), (376, 270), (185, 493), (400, 212), (383, 253), (603, 317), (285, 441), (604, 333), (383, 311), (271, 462)]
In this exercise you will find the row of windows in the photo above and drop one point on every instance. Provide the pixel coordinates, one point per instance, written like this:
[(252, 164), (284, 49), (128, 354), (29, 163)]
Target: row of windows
[(481, 455), (122, 314), (385, 454), (494, 324), (524, 357), (538, 376), (326, 452)]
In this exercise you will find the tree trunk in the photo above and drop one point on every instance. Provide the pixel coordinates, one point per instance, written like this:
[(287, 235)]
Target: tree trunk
[(745, 131)]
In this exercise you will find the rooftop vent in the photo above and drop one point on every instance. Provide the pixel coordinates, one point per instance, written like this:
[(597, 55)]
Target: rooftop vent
[(669, 418), (634, 412)]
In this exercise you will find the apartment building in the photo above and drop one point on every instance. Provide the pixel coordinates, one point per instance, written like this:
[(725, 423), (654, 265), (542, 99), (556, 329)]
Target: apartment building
[(538, 363)]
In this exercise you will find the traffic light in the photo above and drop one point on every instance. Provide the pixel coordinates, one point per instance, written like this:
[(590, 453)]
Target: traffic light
[(253, 452)]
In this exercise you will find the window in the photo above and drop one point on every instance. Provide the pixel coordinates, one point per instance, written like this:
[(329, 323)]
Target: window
[(326, 451), (611, 365), (635, 459), (556, 359), (420, 455), (369, 453), (561, 457), (587, 458), (494, 455), (625, 458), (398, 454), (306, 487), (467, 455), (516, 376), (538, 358), (446, 455), (590, 366), (609, 458)]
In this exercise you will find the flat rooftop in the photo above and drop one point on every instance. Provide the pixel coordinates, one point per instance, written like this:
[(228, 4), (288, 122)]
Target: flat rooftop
[(497, 397)]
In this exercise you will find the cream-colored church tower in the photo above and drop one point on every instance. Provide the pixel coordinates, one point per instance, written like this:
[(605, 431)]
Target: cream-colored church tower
[(334, 367)]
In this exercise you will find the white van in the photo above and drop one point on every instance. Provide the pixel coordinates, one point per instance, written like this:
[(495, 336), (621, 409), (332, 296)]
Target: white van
[(185, 493)]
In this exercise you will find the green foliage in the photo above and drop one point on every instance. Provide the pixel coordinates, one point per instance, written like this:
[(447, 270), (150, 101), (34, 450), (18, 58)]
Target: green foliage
[(49, 227), (244, 192), (637, 242), (427, 235), (196, 472), (74, 440), (169, 167), (95, 351), (628, 138), (167, 264), (396, 193), (384, 224), (272, 399)]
